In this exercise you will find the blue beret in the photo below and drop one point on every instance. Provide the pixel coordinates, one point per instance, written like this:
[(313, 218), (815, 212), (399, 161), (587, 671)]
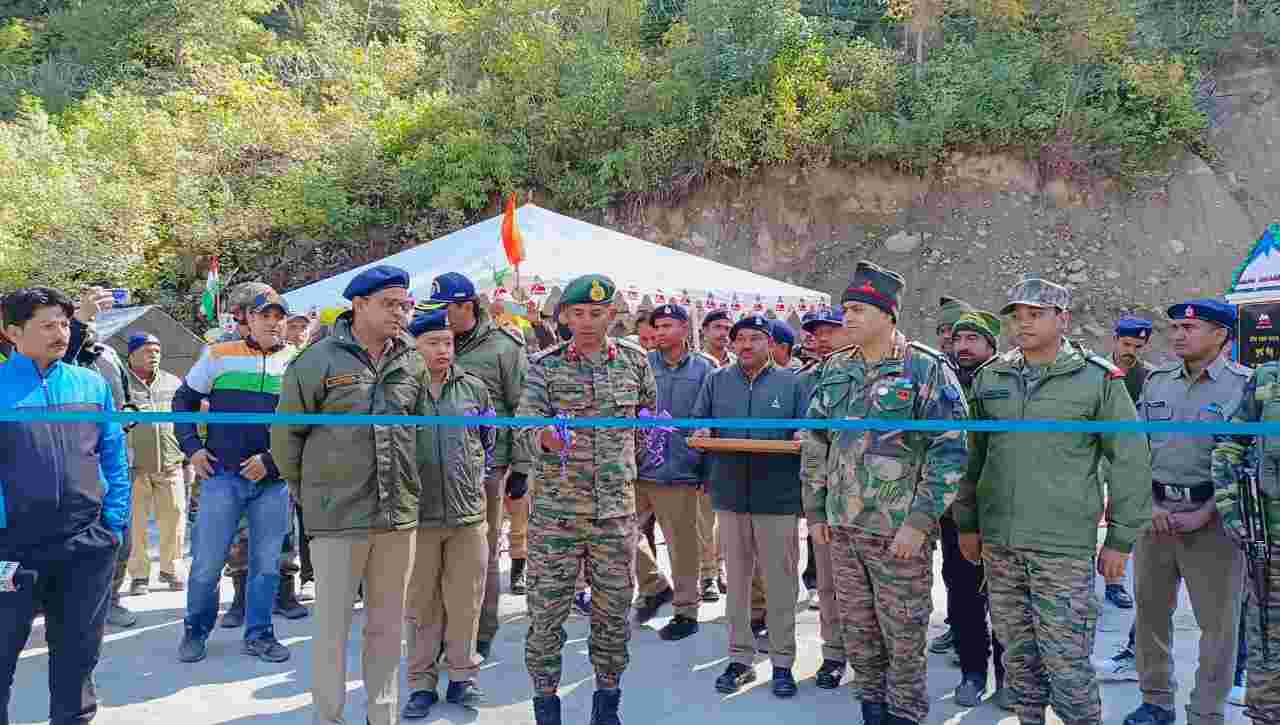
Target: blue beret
[(141, 339), (375, 279), (759, 323), (1219, 313), (831, 316), (1133, 327), (782, 333), (668, 312), (429, 321), (452, 287), (714, 316)]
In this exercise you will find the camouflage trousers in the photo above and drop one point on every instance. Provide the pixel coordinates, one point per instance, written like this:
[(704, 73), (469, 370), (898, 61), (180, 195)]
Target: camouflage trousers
[(1262, 701), (558, 549), (885, 605), (1045, 611)]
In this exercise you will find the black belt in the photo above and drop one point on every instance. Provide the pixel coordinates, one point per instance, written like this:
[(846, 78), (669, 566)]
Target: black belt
[(1198, 493)]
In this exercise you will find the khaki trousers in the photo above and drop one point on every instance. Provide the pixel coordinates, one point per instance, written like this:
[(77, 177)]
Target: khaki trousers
[(517, 512), (494, 493), (164, 495), (445, 593), (676, 507), (1213, 569), (829, 623), (382, 561), (771, 544), (708, 538)]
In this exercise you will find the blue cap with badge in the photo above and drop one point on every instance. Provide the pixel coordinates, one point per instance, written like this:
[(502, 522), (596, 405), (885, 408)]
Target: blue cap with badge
[(142, 339), (782, 333), (1219, 313), (831, 316), (452, 287), (374, 280), (759, 323), (1133, 327), (669, 312), (715, 316), (429, 321)]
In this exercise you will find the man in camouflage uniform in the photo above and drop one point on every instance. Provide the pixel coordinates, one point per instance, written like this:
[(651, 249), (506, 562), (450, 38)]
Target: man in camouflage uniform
[(496, 355), (1037, 498), (584, 501), (950, 310), (876, 495)]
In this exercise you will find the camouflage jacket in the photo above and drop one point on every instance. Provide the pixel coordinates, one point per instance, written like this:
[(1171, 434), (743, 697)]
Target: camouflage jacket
[(1260, 404), (877, 480), (496, 355), (597, 478)]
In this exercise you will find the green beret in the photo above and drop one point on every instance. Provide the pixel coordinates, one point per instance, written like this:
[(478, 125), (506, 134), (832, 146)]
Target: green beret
[(589, 289), (950, 309), (982, 322)]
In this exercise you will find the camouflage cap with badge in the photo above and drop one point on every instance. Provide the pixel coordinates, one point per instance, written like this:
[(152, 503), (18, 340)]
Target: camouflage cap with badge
[(589, 289), (1037, 292)]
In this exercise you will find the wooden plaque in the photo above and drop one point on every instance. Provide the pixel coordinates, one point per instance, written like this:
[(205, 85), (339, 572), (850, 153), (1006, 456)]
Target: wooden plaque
[(744, 445)]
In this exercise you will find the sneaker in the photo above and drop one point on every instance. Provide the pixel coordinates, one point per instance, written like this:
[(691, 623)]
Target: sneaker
[(175, 581), (1237, 695), (1003, 698), (649, 606), (140, 588), (1119, 597), (465, 693), (1148, 714), (944, 642), (1119, 667), (814, 603), (710, 592), (784, 683), (582, 603), (118, 616), (267, 650), (419, 704), (678, 628), (829, 674), (735, 676), (191, 649), (307, 592), (970, 691)]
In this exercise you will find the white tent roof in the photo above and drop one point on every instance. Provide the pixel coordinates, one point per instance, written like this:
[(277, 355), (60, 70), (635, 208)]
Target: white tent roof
[(559, 248)]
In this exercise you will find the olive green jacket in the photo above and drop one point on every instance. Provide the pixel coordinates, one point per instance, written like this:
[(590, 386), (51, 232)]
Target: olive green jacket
[(497, 357), (451, 458), (350, 479), (1040, 491)]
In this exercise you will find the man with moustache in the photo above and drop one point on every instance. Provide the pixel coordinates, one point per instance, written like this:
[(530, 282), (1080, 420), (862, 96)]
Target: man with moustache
[(715, 342), (1029, 505)]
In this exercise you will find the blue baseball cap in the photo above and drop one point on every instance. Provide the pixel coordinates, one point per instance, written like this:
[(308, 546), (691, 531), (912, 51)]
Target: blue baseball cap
[(142, 339), (833, 317), (374, 280), (1219, 313), (1133, 327), (452, 287), (429, 321), (782, 333)]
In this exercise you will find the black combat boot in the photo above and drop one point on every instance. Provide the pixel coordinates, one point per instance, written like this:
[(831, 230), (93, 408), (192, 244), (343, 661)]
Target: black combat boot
[(604, 707), (874, 713), (546, 709), (517, 576), (234, 617), (287, 604)]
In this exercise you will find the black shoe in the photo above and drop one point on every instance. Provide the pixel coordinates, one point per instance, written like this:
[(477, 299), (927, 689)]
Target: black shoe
[(517, 576), (267, 650), (649, 606), (678, 628), (465, 693), (119, 616), (604, 707), (710, 592), (970, 690), (759, 628), (419, 704), (784, 683), (874, 713), (943, 643), (829, 674), (1148, 714), (234, 617), (546, 709), (483, 648), (1119, 597), (735, 676), (191, 649), (287, 604)]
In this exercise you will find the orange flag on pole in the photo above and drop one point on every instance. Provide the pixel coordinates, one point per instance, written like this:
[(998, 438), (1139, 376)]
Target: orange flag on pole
[(512, 242)]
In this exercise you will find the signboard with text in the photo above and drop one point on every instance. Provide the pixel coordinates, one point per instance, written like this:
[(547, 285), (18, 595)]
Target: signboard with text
[(1258, 333)]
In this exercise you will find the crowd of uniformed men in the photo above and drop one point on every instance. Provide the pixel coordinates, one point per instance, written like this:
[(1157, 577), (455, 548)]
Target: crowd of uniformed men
[(407, 518)]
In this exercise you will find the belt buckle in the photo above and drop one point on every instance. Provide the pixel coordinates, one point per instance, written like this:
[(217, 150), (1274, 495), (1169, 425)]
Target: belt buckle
[(1174, 493)]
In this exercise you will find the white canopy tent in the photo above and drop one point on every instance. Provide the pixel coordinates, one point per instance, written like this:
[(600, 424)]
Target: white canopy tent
[(559, 248)]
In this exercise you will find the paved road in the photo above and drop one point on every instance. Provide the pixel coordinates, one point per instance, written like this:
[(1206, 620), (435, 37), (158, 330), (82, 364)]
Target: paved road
[(141, 681)]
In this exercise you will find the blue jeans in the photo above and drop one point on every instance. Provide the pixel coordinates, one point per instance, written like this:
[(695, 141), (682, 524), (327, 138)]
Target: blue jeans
[(223, 499)]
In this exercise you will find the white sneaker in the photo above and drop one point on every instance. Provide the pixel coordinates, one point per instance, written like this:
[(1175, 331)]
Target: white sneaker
[(307, 592), (813, 599), (1119, 667), (1237, 695)]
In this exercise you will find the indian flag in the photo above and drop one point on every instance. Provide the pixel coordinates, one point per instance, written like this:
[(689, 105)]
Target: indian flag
[(209, 300)]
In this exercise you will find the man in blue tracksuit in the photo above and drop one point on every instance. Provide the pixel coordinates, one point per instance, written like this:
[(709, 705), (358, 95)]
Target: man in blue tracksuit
[(64, 501)]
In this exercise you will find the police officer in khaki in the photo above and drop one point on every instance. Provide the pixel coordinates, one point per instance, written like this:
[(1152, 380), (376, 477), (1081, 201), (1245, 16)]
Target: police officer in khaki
[(1186, 542)]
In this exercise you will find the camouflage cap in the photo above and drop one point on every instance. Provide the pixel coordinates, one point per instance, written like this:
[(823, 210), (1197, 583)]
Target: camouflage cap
[(950, 309), (241, 297), (1036, 292), (982, 322)]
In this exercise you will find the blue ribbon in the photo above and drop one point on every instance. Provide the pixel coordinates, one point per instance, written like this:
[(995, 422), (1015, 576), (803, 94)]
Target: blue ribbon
[(27, 415)]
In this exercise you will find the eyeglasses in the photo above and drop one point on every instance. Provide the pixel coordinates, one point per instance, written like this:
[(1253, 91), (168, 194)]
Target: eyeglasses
[(404, 307)]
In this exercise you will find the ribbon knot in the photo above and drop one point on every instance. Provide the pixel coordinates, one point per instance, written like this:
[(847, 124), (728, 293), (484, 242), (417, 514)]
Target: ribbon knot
[(655, 439)]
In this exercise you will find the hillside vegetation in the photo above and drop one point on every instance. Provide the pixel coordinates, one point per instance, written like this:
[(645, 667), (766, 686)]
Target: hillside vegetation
[(141, 133)]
